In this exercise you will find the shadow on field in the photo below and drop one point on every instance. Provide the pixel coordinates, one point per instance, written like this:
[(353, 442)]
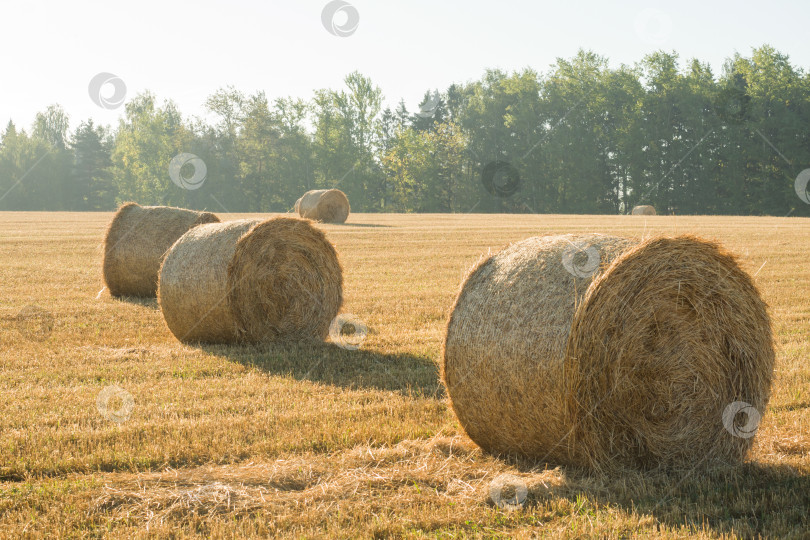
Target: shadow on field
[(750, 500), (327, 363), (150, 303), (790, 406), (373, 225)]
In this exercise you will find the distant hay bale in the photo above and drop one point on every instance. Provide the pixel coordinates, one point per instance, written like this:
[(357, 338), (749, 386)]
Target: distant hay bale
[(597, 351), (136, 241), (251, 281), (326, 205), (643, 210)]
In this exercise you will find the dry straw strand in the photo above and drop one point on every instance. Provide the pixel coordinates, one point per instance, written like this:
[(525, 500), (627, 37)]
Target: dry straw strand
[(631, 367), (325, 205), (137, 239), (251, 281)]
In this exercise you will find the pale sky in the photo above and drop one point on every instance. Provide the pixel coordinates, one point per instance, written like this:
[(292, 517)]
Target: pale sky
[(185, 51)]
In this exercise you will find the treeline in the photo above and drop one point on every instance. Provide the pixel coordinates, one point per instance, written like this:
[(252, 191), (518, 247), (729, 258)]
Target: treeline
[(579, 138)]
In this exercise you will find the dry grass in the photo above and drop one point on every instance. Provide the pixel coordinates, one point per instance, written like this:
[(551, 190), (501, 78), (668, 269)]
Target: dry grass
[(319, 441)]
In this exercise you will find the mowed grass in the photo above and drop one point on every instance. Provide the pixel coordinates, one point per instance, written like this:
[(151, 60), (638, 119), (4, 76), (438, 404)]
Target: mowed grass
[(318, 441)]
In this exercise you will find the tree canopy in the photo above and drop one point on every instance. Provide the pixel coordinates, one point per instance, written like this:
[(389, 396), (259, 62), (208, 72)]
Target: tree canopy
[(581, 137)]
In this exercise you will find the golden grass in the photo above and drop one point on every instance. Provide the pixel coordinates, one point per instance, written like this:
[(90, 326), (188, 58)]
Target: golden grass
[(319, 441)]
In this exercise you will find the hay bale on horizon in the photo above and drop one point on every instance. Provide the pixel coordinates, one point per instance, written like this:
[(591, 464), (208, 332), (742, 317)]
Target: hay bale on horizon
[(137, 239), (251, 281), (598, 351), (325, 205), (643, 210)]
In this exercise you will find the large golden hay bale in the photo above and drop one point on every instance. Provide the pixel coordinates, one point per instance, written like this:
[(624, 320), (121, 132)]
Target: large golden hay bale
[(326, 205), (251, 281), (598, 351), (137, 239), (643, 210)]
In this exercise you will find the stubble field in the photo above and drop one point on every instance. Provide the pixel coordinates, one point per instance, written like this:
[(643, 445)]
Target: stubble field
[(320, 441)]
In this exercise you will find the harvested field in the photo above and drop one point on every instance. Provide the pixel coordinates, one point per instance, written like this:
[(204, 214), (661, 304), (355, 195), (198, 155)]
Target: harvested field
[(319, 440)]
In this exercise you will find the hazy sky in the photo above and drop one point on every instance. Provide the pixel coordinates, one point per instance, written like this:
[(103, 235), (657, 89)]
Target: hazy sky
[(185, 51)]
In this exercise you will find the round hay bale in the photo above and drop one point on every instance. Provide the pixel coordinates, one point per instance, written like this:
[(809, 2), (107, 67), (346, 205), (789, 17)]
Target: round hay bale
[(325, 205), (688, 335), (137, 239), (505, 343), (601, 352), (251, 281), (643, 210)]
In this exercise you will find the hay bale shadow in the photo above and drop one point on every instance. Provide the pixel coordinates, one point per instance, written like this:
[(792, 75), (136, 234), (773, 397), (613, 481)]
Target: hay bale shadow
[(326, 363), (748, 500), (372, 225), (148, 302)]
